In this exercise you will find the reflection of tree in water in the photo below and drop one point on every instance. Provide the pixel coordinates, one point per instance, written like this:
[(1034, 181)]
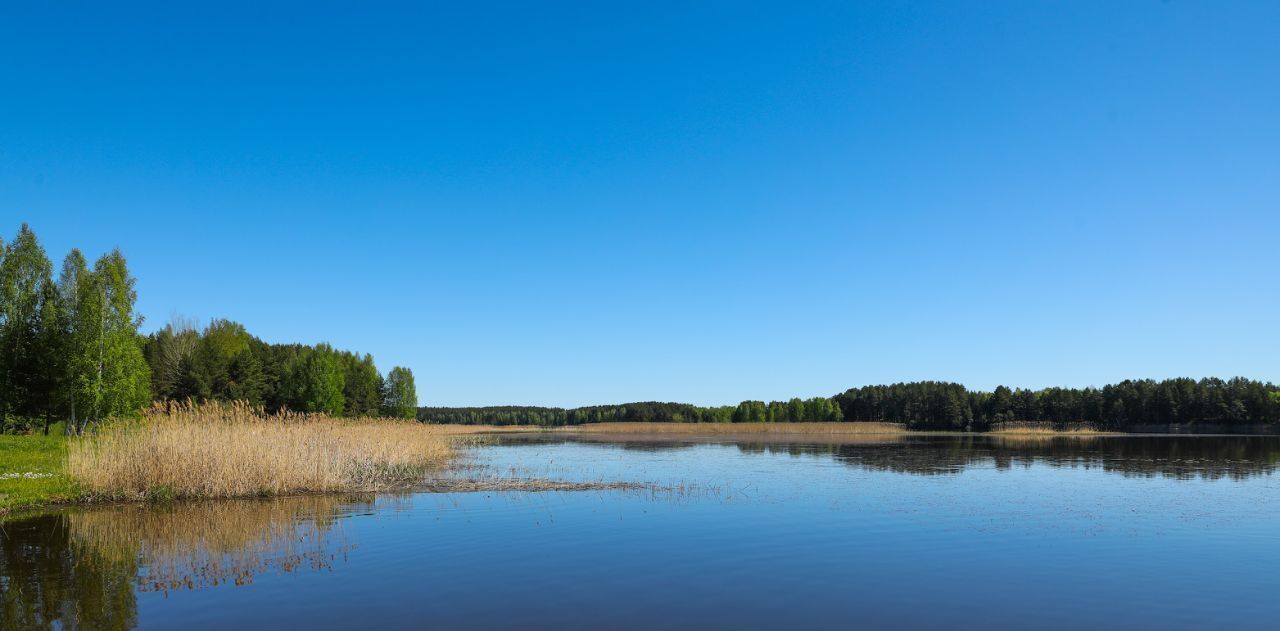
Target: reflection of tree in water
[(1204, 457), (677, 442), (627, 443), (46, 585), (80, 569), (1180, 457)]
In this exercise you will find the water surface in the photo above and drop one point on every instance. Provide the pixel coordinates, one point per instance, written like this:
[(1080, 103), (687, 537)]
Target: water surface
[(871, 532)]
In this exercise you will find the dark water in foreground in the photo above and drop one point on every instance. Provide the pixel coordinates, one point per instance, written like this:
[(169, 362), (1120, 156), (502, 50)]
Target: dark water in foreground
[(925, 532)]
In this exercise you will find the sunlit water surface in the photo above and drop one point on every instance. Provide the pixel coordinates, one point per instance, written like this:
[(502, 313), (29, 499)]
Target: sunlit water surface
[(877, 532)]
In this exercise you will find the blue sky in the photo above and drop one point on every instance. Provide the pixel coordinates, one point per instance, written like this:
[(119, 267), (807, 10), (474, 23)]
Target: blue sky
[(565, 204)]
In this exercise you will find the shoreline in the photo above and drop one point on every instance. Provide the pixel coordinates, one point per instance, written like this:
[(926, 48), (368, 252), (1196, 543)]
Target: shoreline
[(63, 491), (427, 485)]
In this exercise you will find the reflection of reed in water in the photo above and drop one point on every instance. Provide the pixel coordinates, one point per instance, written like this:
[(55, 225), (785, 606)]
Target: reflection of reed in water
[(1046, 438), (1182, 458), (204, 544)]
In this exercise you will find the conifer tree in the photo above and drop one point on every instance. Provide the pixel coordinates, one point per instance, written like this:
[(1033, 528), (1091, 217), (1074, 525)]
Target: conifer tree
[(26, 307)]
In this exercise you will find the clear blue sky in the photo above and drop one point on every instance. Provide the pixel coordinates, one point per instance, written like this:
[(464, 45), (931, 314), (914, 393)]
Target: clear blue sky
[(570, 204)]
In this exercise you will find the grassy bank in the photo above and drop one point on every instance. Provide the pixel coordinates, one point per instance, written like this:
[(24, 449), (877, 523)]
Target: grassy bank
[(33, 471), (211, 451)]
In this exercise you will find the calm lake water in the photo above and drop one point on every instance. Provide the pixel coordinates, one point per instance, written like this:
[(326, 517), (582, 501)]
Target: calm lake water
[(923, 532)]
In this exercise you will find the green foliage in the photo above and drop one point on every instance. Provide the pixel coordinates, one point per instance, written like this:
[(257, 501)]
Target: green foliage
[(101, 368), (817, 409), (76, 347), (316, 380), (71, 349), (400, 395), (111, 374), (647, 411), (28, 309), (1128, 404), (223, 366), (750, 412), (932, 405), (225, 363), (921, 405), (170, 353), (363, 387)]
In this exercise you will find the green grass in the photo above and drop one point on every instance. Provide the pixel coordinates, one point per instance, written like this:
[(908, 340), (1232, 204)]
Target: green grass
[(34, 454)]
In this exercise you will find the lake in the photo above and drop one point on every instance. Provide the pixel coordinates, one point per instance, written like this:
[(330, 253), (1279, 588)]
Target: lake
[(959, 532)]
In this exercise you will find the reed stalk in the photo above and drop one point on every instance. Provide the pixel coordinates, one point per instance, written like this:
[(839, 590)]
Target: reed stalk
[(182, 450)]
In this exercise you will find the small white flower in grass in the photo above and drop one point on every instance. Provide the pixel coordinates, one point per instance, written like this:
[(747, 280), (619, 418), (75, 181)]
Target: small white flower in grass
[(27, 475)]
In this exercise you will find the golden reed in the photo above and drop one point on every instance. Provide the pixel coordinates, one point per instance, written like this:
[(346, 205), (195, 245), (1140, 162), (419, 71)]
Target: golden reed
[(182, 450)]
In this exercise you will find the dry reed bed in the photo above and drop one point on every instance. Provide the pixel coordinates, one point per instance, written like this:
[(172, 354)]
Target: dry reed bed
[(233, 450), (740, 428)]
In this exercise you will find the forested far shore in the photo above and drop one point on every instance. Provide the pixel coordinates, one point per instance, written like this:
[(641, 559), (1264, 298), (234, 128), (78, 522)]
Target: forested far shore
[(933, 405), (71, 350)]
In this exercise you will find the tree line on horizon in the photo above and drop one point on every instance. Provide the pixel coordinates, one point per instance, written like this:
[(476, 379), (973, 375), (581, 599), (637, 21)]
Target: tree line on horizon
[(71, 350), (935, 405), (793, 411)]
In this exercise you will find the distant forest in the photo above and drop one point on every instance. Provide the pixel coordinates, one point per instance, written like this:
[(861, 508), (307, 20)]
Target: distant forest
[(934, 405), (71, 350)]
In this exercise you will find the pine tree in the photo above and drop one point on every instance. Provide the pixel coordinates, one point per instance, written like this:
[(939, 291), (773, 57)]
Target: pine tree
[(169, 352), (364, 386), (26, 307), (51, 343), (1000, 406)]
